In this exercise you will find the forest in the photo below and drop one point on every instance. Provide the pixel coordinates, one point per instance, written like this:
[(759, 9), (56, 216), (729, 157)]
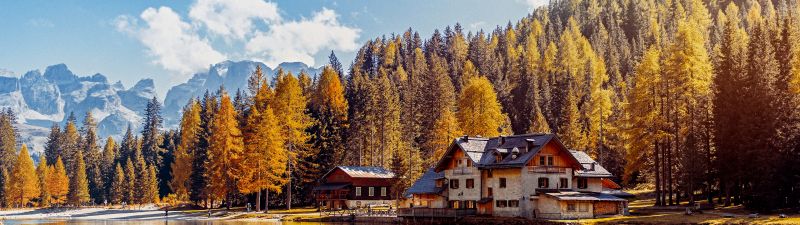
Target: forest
[(694, 99)]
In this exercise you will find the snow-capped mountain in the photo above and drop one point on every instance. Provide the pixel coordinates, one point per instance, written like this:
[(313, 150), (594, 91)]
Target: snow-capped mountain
[(41, 99)]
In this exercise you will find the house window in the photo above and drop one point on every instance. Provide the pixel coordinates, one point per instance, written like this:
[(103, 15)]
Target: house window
[(358, 191), (455, 204), (583, 207), (582, 183), (502, 182), (489, 173), (489, 192), (500, 203), (469, 204), (469, 163), (571, 207), (563, 183), (454, 184), (544, 182), (470, 183), (549, 160), (371, 191), (513, 203), (541, 160), (383, 191)]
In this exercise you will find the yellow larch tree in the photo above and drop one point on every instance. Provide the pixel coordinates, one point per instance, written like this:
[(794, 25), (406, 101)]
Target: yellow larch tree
[(182, 166), (43, 172), (58, 182), (479, 112), (225, 151), (265, 158), (289, 105), (23, 184)]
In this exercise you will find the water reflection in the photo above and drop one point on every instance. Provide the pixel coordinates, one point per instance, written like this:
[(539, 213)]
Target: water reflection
[(156, 222)]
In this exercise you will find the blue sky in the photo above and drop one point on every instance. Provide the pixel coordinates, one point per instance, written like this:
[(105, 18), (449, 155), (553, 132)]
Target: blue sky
[(170, 40)]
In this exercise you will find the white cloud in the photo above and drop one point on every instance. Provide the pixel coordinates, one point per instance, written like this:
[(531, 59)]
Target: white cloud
[(233, 19), (174, 43), (301, 40), (533, 4), (185, 46)]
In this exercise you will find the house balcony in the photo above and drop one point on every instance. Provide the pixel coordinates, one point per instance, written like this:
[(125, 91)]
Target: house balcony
[(461, 171), (548, 169)]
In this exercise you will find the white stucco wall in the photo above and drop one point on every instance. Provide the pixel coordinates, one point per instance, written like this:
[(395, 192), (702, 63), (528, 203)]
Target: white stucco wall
[(512, 191), (464, 193), (593, 184)]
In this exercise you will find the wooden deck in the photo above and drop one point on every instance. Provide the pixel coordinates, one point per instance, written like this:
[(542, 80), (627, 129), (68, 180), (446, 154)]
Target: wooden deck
[(431, 212)]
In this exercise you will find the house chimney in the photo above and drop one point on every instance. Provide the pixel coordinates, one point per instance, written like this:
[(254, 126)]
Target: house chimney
[(502, 139), (592, 166), (531, 142), (465, 138)]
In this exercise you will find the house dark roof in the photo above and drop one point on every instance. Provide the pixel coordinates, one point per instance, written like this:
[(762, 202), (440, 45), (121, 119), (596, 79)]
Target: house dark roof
[(482, 151), (426, 184), (587, 162), (364, 172)]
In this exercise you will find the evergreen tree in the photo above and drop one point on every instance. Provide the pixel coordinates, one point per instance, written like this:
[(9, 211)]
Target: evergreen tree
[(3, 188), (8, 142), (79, 185), (23, 184), (128, 146), (107, 166), (52, 149), (151, 186), (70, 145), (151, 137), (198, 179), (329, 110), (92, 158)]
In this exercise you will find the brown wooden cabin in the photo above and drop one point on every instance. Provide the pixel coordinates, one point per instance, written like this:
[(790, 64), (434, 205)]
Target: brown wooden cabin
[(349, 187)]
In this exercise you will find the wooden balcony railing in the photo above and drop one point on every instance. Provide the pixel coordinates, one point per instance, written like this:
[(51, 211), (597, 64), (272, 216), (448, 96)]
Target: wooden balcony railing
[(331, 196), (547, 169), (433, 212), (463, 171)]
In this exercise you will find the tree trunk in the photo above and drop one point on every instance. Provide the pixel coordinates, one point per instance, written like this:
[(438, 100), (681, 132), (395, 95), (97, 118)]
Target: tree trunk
[(266, 201), (258, 201), (658, 174), (289, 184)]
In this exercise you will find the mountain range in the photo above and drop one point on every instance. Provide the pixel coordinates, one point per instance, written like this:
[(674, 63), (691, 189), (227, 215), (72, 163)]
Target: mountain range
[(42, 99)]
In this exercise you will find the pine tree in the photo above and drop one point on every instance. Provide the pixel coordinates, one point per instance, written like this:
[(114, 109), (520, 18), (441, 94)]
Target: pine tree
[(8, 143), (79, 185), (290, 105), (182, 167), (479, 112), (43, 172), (329, 110), (199, 178), (23, 184), (58, 182), (3, 188), (70, 145), (117, 191), (52, 149), (142, 182), (127, 147), (225, 152), (151, 137), (90, 149)]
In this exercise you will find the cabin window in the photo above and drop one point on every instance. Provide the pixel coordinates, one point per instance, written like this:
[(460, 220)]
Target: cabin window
[(498, 158), (358, 191), (383, 191), (455, 204), (502, 182), (371, 191), (489, 192), (454, 184), (470, 183), (469, 204), (513, 203), (571, 207), (469, 163), (544, 182), (563, 183), (541, 160), (489, 173), (501, 203), (582, 183), (549, 160)]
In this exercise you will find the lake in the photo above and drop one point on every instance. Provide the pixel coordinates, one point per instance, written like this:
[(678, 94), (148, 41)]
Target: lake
[(157, 222)]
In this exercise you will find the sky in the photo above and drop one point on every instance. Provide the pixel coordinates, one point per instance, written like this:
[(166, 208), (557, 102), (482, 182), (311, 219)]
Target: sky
[(168, 41)]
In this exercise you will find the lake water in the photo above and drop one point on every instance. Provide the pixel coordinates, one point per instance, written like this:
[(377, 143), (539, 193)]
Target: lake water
[(156, 222)]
